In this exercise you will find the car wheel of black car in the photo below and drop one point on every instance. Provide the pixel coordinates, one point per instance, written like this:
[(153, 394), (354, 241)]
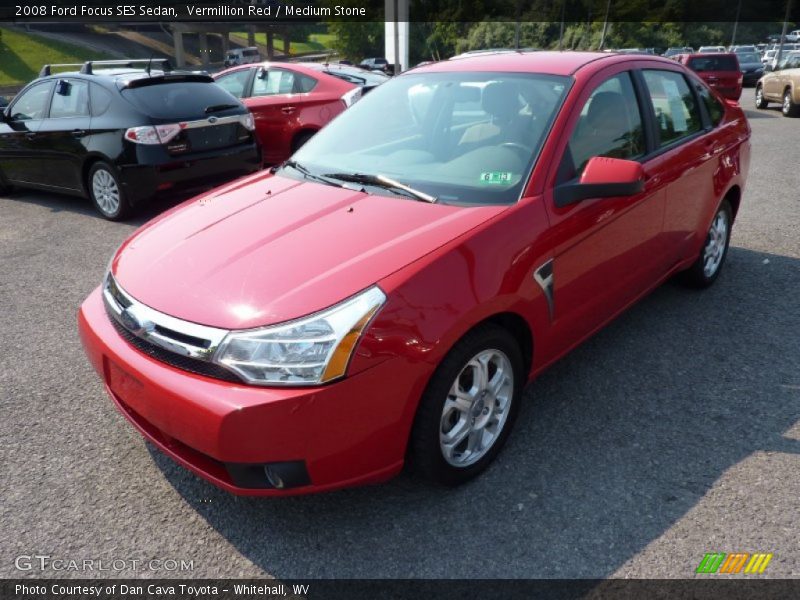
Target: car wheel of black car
[(469, 407), (106, 192), (708, 265), (760, 101), (789, 108)]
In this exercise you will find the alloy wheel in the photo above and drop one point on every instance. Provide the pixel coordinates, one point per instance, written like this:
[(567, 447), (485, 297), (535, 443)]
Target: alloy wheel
[(716, 245), (106, 192), (476, 408)]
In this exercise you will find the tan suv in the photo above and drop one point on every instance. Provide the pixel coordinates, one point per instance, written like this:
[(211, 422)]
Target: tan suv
[(782, 85)]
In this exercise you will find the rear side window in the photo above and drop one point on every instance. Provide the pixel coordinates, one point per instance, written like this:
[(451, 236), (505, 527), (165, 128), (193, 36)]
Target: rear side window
[(610, 125), (280, 81), (70, 100), (676, 111), (716, 111), (713, 63), (100, 99), (179, 100), (32, 104)]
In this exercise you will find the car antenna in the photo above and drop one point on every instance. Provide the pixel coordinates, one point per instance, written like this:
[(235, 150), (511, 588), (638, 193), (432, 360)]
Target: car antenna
[(150, 62)]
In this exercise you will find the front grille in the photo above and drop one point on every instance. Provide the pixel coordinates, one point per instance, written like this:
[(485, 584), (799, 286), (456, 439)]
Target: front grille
[(184, 363)]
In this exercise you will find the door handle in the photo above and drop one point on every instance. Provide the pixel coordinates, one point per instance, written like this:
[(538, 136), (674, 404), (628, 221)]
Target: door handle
[(287, 110), (78, 132)]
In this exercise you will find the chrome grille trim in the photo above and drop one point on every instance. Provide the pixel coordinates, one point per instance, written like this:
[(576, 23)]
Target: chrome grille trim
[(213, 121), (191, 340)]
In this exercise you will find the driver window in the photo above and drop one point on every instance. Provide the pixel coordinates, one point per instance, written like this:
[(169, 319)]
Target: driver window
[(32, 104), (609, 125)]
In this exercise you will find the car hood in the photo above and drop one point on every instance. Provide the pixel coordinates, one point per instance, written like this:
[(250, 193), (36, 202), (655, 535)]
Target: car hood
[(268, 249)]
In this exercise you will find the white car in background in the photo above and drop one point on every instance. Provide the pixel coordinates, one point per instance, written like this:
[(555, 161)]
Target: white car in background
[(710, 49), (242, 56)]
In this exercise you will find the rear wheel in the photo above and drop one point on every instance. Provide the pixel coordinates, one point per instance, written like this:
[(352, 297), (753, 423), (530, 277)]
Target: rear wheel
[(469, 407), (708, 265), (760, 101), (106, 192), (789, 108)]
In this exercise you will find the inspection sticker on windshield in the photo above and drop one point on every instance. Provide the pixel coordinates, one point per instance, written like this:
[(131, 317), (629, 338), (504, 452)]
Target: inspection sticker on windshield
[(496, 177)]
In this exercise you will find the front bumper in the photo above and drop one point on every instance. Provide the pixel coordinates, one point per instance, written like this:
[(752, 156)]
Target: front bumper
[(351, 432), (156, 172)]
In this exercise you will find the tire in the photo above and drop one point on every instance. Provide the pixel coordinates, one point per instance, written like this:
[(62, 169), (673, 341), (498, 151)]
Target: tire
[(708, 265), (788, 107), (487, 420), (301, 139), (761, 103), (106, 192)]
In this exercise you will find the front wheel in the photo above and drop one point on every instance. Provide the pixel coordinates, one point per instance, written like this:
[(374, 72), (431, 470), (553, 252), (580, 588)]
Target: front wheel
[(106, 192), (760, 101), (789, 108), (469, 407), (708, 265)]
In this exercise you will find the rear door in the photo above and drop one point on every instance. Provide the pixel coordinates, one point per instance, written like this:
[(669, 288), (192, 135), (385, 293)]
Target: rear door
[(687, 148), (277, 99), (20, 160), (64, 135)]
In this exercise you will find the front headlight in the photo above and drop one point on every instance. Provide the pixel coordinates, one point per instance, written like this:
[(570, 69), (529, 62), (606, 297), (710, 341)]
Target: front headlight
[(311, 350)]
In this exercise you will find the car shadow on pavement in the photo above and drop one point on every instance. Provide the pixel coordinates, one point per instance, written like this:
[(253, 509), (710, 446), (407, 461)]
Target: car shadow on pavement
[(614, 444), (83, 206)]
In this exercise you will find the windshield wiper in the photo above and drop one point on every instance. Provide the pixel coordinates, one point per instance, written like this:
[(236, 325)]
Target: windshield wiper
[(383, 182), (306, 173)]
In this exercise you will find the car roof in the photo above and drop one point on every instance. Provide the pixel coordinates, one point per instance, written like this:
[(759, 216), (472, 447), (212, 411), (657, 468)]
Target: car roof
[(545, 62)]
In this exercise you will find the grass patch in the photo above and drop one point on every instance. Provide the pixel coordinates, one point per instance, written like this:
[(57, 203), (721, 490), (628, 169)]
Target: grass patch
[(317, 42), (23, 54)]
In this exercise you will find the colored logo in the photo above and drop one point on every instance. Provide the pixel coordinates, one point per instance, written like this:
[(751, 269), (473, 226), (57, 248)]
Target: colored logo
[(736, 562)]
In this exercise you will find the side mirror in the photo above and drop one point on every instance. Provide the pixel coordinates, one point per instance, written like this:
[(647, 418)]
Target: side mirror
[(603, 177), (768, 67)]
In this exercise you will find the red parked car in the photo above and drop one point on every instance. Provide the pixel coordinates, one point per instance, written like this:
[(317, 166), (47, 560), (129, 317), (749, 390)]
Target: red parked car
[(290, 102), (386, 294), (720, 70)]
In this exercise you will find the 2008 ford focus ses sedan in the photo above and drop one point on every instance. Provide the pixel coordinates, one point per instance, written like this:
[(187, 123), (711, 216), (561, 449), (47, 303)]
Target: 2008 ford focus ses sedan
[(384, 296)]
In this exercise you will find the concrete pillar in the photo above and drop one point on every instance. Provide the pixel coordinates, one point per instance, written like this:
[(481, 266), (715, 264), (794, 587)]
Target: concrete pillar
[(177, 42), (226, 42), (396, 51), (203, 39), (251, 35), (270, 45), (286, 44)]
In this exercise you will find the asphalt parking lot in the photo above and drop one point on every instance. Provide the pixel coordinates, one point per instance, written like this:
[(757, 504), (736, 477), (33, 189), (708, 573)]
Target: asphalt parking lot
[(672, 433)]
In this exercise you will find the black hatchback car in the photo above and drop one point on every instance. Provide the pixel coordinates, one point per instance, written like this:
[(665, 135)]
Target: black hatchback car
[(120, 135)]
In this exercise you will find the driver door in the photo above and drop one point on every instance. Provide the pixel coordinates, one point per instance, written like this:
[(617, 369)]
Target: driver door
[(607, 251)]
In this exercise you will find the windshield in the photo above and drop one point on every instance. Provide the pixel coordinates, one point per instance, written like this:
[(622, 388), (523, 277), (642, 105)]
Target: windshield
[(463, 138)]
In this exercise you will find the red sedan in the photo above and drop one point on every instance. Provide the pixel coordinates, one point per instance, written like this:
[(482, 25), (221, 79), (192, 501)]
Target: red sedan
[(290, 102), (386, 294), (720, 70)]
